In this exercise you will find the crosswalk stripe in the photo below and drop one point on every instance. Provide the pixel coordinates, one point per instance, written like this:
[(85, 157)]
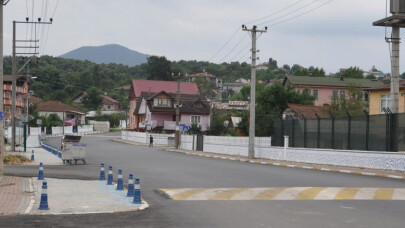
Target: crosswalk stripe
[(365, 194), (227, 194), (384, 194), (249, 194), (347, 194), (309, 193), (269, 194), (187, 193), (290, 193), (328, 194), (286, 193), (399, 194)]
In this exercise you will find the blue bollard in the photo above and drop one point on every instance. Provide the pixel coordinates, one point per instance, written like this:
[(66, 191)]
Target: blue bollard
[(110, 176), (137, 192), (130, 186), (102, 172), (44, 197), (120, 185), (32, 156), (59, 154), (41, 171)]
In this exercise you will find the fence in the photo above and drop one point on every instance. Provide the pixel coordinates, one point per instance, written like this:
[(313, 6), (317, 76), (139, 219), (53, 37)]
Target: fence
[(375, 133), (142, 137)]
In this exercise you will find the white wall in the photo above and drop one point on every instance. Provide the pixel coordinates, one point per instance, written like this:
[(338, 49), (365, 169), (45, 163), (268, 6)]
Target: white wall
[(142, 137), (187, 142), (35, 131), (239, 146)]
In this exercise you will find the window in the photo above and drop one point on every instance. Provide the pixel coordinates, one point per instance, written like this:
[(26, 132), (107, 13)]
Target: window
[(385, 102), (161, 102), (334, 94), (195, 119), (365, 96), (315, 94), (8, 109), (109, 107), (8, 94), (342, 94)]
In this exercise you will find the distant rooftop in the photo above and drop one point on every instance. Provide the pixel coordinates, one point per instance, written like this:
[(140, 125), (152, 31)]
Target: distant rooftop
[(330, 81)]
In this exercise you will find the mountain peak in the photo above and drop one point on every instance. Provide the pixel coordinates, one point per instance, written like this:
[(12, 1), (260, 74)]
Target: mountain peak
[(109, 53)]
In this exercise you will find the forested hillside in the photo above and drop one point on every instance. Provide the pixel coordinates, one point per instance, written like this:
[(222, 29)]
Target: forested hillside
[(62, 79)]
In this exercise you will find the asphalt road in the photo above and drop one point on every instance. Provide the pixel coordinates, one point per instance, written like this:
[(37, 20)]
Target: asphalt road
[(158, 169)]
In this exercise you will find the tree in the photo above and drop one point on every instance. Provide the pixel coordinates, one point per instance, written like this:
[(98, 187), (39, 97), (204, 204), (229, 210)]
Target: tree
[(271, 103), (159, 68), (93, 100), (272, 64), (352, 103), (206, 88), (353, 72)]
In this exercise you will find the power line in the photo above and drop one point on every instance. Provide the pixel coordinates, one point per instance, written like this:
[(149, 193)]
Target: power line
[(299, 15), (237, 44), (289, 13), (226, 43), (242, 50), (48, 28), (275, 13)]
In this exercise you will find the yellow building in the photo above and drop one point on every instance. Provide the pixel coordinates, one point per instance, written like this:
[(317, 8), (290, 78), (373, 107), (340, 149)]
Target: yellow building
[(379, 98)]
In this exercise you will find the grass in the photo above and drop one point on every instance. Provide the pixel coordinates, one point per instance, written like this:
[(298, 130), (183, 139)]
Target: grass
[(15, 159), (115, 130)]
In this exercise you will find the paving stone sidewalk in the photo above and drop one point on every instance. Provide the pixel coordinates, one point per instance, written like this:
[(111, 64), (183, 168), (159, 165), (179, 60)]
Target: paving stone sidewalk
[(15, 195)]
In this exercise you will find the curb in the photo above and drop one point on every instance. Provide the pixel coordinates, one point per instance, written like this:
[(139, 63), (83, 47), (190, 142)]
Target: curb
[(280, 164), (137, 144)]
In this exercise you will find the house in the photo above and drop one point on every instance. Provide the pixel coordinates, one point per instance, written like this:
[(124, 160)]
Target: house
[(380, 98), (205, 76), (31, 98), (156, 111), (324, 89), (64, 111), (109, 104), (298, 111), (151, 86), (234, 86), (22, 89), (242, 80)]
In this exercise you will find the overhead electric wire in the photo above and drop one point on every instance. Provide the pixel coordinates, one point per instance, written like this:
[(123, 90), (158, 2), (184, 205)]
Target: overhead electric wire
[(289, 13), (49, 27), (237, 44), (275, 13), (226, 43), (299, 15), (242, 50)]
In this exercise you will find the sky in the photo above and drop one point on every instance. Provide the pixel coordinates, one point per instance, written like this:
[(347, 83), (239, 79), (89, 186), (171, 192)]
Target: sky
[(332, 34)]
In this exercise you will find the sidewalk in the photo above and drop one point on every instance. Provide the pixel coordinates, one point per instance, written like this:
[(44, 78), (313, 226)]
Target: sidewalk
[(22, 196), (291, 164), (15, 195)]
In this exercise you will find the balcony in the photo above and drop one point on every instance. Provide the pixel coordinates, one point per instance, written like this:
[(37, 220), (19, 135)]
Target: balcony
[(19, 89)]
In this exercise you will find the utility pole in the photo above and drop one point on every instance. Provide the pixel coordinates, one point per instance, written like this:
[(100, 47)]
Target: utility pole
[(2, 2), (252, 128), (396, 21), (14, 68), (177, 105)]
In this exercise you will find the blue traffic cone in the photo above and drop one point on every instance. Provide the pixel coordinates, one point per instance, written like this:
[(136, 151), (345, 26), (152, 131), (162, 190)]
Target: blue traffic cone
[(102, 172), (44, 197), (130, 186), (32, 156), (110, 176), (120, 185), (41, 171), (137, 192)]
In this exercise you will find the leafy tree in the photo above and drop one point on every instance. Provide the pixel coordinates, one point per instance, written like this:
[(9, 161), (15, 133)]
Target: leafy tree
[(371, 77), (159, 68), (93, 99), (195, 129), (272, 64), (271, 102), (353, 72), (206, 88), (352, 103)]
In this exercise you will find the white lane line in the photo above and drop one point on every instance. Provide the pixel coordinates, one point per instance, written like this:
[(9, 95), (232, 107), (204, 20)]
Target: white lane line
[(249, 194), (290, 194), (206, 195), (399, 194), (328, 194), (365, 194)]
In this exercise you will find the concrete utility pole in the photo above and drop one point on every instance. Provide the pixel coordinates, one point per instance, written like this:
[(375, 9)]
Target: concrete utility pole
[(396, 21), (252, 128), (14, 68), (177, 105)]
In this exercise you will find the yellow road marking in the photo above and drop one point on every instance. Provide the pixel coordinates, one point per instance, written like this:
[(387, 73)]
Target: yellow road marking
[(347, 194), (310, 193), (227, 194), (188, 193), (384, 194), (269, 194)]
